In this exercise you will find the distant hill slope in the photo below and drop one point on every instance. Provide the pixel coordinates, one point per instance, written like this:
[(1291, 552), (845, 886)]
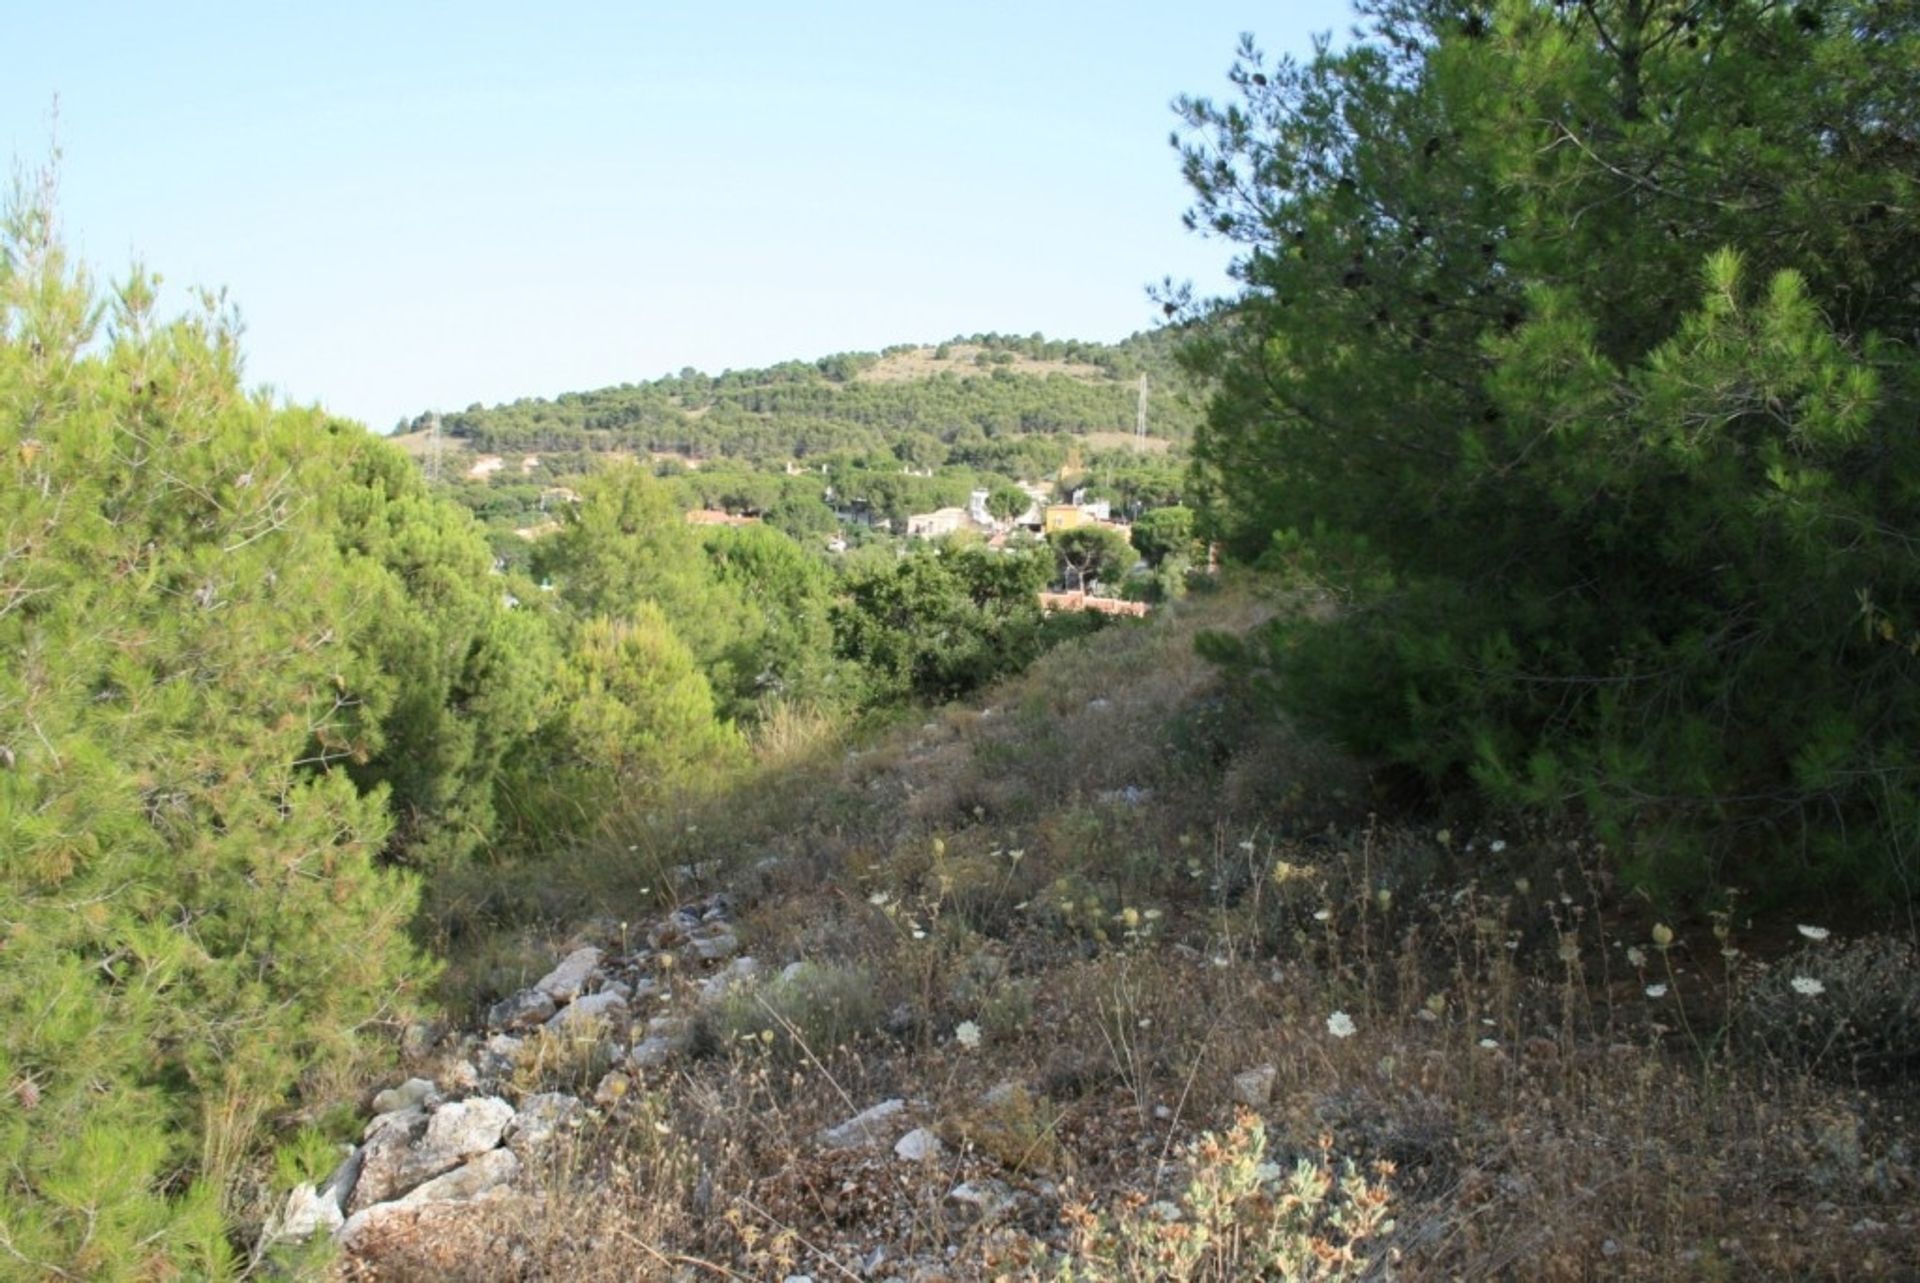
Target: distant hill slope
[(964, 394)]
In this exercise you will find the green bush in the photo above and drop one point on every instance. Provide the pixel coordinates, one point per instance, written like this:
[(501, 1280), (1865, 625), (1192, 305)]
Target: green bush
[(1603, 458)]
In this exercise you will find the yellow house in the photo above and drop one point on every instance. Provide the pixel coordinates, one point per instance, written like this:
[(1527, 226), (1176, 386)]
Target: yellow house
[(1065, 516)]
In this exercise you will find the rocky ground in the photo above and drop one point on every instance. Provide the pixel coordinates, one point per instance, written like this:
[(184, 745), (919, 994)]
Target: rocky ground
[(1103, 980)]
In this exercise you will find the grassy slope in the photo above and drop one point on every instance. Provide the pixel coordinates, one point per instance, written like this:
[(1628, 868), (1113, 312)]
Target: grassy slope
[(1126, 953)]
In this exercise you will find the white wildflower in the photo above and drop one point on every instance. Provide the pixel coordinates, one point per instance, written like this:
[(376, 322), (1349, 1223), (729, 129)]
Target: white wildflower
[(1490, 1044), (1813, 933), (1808, 987), (1340, 1025), (967, 1034), (879, 899), (1496, 846), (1636, 956), (1656, 991), (1323, 915)]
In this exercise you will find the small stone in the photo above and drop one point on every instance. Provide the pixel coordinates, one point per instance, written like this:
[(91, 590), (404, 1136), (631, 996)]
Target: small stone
[(307, 1210), (467, 1127), (714, 943), (523, 1010), (1254, 1088), (569, 980), (612, 1090), (402, 1120), (473, 1178), (419, 1038), (541, 1117), (739, 972), (610, 1007), (983, 1199), (869, 1128), (917, 1146), (672, 929), (496, 1058), (461, 1077), (1002, 1093), (652, 1052), (619, 988), (414, 1091)]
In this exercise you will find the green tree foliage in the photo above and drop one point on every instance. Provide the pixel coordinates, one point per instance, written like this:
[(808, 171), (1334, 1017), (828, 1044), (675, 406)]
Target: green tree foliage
[(195, 918), (627, 543), (1161, 533), (983, 416), (1004, 502), (633, 718), (786, 652), (1575, 346), (1088, 553), (945, 620)]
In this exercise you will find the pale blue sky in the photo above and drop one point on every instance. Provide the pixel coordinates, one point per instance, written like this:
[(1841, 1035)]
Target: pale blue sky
[(423, 206)]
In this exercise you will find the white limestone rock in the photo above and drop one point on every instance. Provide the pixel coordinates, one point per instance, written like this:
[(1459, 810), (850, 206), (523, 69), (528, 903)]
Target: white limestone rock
[(869, 1129), (569, 980)]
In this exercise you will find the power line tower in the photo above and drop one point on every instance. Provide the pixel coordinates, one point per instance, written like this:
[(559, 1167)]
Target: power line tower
[(1140, 416)]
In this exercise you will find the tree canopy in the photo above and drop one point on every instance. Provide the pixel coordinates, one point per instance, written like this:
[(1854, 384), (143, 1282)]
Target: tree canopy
[(1574, 348)]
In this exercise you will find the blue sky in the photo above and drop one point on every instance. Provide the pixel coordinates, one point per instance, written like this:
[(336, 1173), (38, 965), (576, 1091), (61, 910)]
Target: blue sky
[(424, 206)]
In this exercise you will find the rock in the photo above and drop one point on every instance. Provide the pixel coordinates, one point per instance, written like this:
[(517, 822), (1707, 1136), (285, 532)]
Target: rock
[(461, 1076), (306, 1211), (523, 1010), (387, 1169), (414, 1091), (569, 980), (540, 1118), (612, 1090), (410, 1121), (471, 1179), (869, 1129), (714, 942), (421, 1037), (672, 929), (917, 1146), (608, 1007), (468, 1127), (739, 972), (619, 988), (339, 1186), (498, 1054), (431, 1239), (1254, 1088), (666, 1035), (408, 1148), (981, 1200)]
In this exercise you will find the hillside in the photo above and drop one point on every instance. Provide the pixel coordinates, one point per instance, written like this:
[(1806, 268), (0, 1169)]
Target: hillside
[(971, 396), (1091, 979)]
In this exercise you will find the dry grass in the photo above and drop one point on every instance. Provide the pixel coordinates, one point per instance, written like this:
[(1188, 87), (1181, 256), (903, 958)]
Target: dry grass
[(1133, 895), (919, 363)]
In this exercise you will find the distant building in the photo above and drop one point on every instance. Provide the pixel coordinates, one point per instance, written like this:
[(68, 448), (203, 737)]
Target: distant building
[(1064, 516), (940, 522)]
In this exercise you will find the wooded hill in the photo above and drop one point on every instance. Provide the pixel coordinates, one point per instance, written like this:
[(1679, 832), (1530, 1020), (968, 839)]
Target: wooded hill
[(971, 401)]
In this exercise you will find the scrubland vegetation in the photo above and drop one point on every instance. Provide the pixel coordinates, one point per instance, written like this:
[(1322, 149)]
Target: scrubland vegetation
[(1503, 869)]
